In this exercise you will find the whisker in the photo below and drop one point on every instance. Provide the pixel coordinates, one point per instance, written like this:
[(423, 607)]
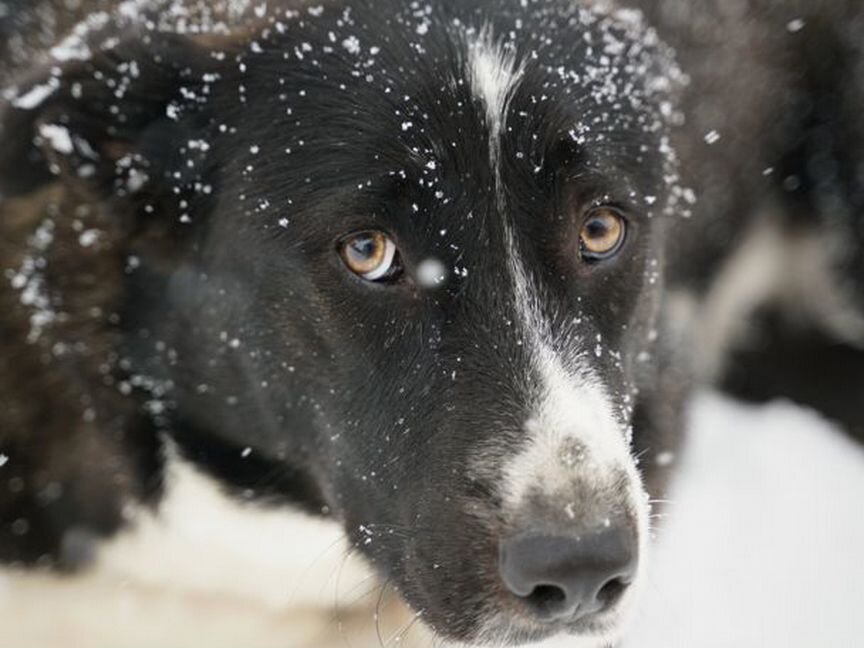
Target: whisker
[(641, 455), (363, 591), (349, 552), (301, 581), (400, 634), (337, 607), (378, 613)]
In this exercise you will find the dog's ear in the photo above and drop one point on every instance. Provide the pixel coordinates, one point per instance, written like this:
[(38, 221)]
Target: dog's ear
[(111, 118)]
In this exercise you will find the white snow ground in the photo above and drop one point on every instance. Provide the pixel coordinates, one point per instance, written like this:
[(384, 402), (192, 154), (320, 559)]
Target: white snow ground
[(763, 546)]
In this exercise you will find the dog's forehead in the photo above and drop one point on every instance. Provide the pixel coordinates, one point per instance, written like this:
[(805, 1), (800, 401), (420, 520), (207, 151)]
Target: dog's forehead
[(422, 83)]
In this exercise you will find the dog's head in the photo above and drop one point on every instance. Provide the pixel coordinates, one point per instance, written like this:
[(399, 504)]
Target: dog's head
[(401, 262)]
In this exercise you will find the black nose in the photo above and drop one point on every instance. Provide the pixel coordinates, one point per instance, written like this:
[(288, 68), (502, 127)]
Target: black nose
[(566, 578)]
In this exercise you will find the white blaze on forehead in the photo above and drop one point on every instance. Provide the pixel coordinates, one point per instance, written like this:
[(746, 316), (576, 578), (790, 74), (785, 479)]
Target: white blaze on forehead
[(572, 404), (494, 75)]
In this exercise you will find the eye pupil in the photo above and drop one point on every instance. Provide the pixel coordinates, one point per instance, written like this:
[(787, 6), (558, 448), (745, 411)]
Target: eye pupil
[(597, 228), (362, 248), (602, 235)]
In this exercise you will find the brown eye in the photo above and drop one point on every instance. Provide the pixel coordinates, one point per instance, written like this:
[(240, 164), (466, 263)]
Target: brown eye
[(370, 255), (602, 234)]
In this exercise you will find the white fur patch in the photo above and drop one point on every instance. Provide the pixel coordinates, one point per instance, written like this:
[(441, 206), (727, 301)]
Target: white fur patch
[(573, 406), (206, 570), (203, 539), (570, 410), (494, 75)]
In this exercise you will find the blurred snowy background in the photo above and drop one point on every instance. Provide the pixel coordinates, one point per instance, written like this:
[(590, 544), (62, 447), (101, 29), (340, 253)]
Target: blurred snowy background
[(763, 545)]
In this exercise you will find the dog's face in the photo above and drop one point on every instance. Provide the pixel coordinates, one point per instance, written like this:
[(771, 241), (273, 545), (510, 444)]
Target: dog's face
[(412, 262)]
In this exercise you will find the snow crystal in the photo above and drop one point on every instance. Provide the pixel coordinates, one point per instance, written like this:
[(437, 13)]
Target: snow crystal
[(88, 237), (712, 137), (795, 25), (431, 273), (136, 180), (352, 44), (29, 281), (198, 145), (665, 459), (75, 47), (4, 459), (58, 137), (36, 95)]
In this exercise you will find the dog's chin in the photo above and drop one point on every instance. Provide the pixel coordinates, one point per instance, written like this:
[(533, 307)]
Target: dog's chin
[(599, 631)]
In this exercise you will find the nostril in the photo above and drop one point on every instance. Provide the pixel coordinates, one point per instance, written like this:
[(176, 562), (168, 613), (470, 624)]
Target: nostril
[(547, 600), (611, 592)]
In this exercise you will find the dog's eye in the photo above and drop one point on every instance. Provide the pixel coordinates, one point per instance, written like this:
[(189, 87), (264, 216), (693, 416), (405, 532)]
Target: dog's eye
[(602, 234), (371, 256)]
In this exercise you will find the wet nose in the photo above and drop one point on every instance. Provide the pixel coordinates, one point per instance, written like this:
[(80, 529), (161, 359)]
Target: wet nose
[(567, 578)]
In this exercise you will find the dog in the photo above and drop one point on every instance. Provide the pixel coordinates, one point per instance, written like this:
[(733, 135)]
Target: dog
[(434, 272)]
